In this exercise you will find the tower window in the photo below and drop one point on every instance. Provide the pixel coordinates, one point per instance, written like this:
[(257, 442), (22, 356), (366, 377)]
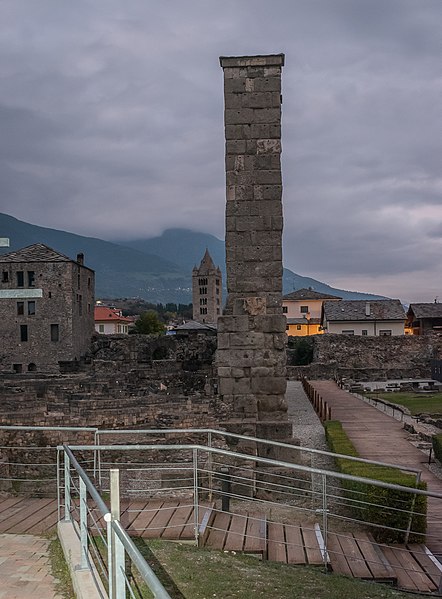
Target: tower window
[(55, 332), (20, 278), (20, 308), (31, 278), (31, 308), (23, 332)]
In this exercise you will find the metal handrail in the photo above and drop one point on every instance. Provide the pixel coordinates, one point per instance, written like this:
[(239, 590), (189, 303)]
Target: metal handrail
[(254, 439), (268, 461), (146, 572)]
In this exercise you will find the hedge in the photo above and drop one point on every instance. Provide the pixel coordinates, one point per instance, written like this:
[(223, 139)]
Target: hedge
[(378, 505), (437, 446)]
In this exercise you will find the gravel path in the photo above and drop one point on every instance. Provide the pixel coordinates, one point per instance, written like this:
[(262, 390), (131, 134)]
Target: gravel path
[(307, 427)]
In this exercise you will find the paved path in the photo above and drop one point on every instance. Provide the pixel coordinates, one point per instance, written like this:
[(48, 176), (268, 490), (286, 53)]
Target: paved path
[(24, 568), (378, 436)]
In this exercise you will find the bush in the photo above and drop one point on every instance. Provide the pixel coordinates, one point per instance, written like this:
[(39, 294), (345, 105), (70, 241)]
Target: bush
[(437, 446), (378, 505)]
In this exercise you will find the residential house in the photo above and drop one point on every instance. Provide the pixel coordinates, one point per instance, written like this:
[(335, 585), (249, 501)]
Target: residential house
[(374, 318), (193, 327), (424, 318), (303, 311), (46, 309), (207, 291), (110, 321)]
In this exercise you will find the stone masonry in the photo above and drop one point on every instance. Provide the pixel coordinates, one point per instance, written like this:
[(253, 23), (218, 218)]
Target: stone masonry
[(251, 333)]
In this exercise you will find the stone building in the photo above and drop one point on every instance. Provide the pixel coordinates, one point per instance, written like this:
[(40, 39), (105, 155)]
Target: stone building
[(206, 291), (251, 354), (46, 309)]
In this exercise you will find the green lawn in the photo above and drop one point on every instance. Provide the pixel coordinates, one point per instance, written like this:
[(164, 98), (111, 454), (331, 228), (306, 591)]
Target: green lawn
[(417, 403), (191, 573)]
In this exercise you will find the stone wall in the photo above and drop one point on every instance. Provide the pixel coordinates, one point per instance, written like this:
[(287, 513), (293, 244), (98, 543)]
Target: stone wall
[(370, 358), (135, 381)]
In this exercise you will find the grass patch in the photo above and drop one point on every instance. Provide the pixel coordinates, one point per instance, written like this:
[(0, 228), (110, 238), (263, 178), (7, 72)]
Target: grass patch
[(60, 570), (417, 403), (204, 574)]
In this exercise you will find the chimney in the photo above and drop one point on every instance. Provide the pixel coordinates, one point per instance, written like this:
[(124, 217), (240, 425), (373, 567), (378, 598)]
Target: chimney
[(367, 309), (80, 259)]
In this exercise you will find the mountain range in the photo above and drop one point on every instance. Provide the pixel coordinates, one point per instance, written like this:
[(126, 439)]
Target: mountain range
[(157, 269)]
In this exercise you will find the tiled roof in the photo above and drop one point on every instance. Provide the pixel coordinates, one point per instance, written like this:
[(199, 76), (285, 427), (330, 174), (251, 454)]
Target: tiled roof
[(303, 321), (309, 294), (38, 252), (432, 310), (193, 325), (106, 314), (355, 310)]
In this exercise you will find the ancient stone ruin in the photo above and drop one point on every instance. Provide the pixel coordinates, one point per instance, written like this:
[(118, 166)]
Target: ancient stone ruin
[(251, 334)]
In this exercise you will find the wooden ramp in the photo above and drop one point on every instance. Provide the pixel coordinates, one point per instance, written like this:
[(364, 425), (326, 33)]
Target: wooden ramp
[(409, 567)]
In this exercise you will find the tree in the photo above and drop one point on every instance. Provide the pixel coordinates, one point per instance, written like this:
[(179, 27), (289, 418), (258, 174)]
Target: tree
[(149, 324)]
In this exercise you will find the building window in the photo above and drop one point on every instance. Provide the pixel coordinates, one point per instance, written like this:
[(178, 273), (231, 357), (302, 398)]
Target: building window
[(80, 304), (23, 332), (88, 282), (285, 309), (101, 328), (304, 309), (298, 327), (78, 281), (217, 291), (55, 332), (364, 332), (287, 327), (20, 278), (348, 332), (49, 294), (20, 308), (31, 278), (5, 276), (32, 367), (88, 308), (31, 308), (17, 368), (385, 333)]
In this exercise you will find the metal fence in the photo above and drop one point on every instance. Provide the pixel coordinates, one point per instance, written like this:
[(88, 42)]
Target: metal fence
[(283, 511)]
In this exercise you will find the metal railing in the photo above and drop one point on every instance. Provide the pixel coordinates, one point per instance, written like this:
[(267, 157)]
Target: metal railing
[(254, 490), (116, 541)]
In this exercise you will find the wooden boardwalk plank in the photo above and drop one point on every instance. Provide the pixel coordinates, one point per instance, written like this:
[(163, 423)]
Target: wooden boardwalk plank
[(407, 576), (375, 559), (160, 520), (255, 538), (131, 512), (355, 558), (433, 570), (312, 549), (295, 545), (47, 523), (337, 559), (276, 547), (178, 521), (30, 511), (11, 506), (219, 530), (235, 535), (144, 518)]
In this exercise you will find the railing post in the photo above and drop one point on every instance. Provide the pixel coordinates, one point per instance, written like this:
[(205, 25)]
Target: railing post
[(225, 488), (110, 560), (195, 493), (324, 517), (58, 485), (67, 488), (118, 570), (83, 526), (412, 506), (209, 465)]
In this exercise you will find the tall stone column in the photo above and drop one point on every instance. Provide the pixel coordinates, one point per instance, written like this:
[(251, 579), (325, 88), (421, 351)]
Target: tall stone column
[(252, 331)]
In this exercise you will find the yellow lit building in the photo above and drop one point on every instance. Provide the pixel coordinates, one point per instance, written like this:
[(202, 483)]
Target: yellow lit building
[(303, 311)]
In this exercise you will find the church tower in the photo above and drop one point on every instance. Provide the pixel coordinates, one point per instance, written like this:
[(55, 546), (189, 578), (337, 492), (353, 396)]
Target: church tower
[(206, 291)]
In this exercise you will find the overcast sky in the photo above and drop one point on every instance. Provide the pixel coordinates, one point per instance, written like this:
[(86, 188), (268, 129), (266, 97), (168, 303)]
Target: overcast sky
[(111, 121)]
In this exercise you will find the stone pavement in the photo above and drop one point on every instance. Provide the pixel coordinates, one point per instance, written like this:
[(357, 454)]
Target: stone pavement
[(25, 571)]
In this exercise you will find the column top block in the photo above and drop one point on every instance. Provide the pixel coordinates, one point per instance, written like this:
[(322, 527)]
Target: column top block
[(260, 60)]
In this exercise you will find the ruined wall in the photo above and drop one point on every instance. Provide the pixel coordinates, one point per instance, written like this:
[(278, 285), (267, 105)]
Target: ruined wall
[(124, 382), (370, 358)]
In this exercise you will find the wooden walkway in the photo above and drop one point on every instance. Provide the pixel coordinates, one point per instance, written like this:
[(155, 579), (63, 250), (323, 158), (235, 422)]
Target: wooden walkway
[(380, 437), (409, 567)]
